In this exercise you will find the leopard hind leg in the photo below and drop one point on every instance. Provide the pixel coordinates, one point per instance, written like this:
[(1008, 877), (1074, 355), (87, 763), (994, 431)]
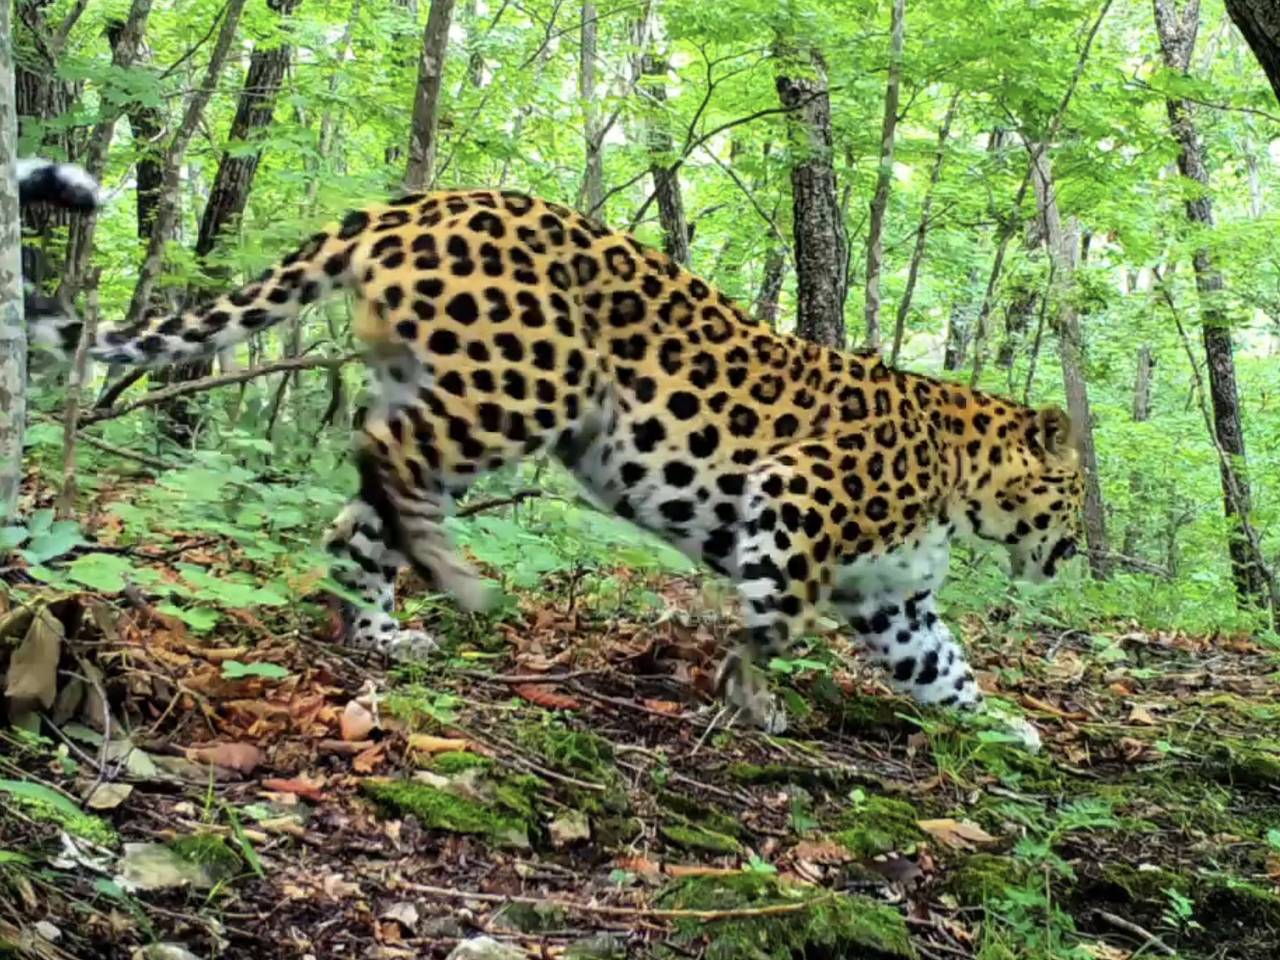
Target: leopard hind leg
[(358, 536)]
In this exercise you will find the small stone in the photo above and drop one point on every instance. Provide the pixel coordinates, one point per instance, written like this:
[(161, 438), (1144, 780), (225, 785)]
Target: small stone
[(48, 931), (568, 828), (403, 913), (486, 948)]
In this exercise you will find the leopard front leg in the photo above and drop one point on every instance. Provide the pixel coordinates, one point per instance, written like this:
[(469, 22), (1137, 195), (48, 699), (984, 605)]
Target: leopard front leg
[(357, 535), (784, 566), (905, 636)]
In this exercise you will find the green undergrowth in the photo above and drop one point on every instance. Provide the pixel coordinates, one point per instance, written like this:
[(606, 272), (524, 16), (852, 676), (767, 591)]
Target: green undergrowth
[(832, 924), (503, 810)]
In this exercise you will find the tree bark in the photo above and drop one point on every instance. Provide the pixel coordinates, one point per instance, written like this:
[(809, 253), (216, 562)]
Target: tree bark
[(13, 333), (1064, 247), (666, 177), (591, 197), (820, 244), (167, 209), (1259, 21), (426, 99), (1177, 34), (884, 179), (1146, 363), (254, 111), (767, 301), (922, 231)]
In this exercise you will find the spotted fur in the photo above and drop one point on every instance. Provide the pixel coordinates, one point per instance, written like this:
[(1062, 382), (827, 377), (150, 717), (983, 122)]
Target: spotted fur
[(52, 323), (499, 325)]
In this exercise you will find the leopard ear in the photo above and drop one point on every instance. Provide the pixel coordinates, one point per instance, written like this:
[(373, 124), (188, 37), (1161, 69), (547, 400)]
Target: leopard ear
[(1057, 432)]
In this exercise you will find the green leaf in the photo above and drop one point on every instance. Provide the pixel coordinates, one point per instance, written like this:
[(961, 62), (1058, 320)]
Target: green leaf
[(41, 794), (11, 537), (235, 670), (59, 539), (104, 572)]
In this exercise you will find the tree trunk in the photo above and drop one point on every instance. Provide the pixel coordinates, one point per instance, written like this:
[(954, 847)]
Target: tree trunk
[(13, 332), (254, 111), (922, 231), (1177, 33), (426, 98), (1017, 318), (1259, 21), (960, 324), (591, 197), (884, 178), (820, 245), (651, 80), (775, 269), (167, 209), (228, 199), (1146, 363), (1064, 247)]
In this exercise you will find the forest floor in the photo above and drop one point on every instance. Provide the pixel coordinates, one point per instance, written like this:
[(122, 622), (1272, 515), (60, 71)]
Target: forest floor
[(554, 783)]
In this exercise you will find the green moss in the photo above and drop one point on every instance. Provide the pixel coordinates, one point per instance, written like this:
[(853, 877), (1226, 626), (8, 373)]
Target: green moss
[(839, 925), (789, 773), (695, 811), (75, 822), (858, 713), (581, 755), (1246, 766), (699, 838), (458, 761), (1127, 882), (879, 825), (611, 832), (210, 851), (440, 810), (982, 877)]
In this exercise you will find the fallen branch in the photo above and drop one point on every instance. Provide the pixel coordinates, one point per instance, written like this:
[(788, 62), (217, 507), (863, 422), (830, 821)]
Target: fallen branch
[(1148, 938), (518, 497), (156, 397), (154, 463), (648, 913)]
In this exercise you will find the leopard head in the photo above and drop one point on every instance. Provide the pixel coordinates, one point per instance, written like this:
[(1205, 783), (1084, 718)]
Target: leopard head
[(1033, 501)]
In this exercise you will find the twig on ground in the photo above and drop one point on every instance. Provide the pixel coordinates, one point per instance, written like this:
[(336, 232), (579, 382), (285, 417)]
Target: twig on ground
[(649, 913), (518, 497), (155, 463), (1149, 939)]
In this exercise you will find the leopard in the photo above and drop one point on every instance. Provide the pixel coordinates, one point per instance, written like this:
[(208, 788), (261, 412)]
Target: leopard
[(53, 325), (498, 326)]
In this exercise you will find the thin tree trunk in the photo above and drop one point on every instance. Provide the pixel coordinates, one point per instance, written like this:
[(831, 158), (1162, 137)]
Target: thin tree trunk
[(820, 244), (767, 301), (1177, 33), (426, 99), (922, 231), (592, 194), (229, 197), (126, 38), (884, 179), (1064, 247), (167, 208), (651, 77), (1146, 363), (13, 332), (960, 325), (1259, 21), (254, 112)]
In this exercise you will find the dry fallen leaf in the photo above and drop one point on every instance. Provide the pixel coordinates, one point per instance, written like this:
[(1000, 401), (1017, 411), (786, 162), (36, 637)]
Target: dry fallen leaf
[(669, 707), (301, 786), (1141, 714), (961, 834), (368, 759), (821, 851), (243, 757), (544, 696), (108, 796), (426, 743), (33, 666)]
